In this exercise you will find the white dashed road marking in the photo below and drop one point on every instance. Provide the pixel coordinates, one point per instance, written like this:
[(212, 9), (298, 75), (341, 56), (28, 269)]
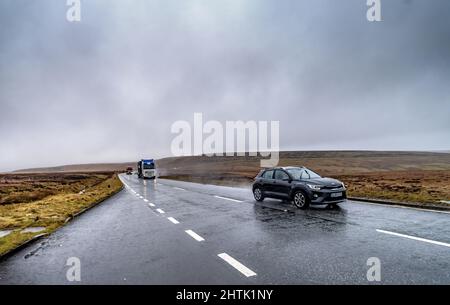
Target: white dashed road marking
[(237, 265), (173, 220), (226, 198), (415, 238), (145, 200), (179, 188), (159, 211), (152, 205), (194, 235)]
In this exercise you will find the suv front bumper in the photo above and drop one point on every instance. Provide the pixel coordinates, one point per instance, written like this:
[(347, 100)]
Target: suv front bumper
[(326, 197)]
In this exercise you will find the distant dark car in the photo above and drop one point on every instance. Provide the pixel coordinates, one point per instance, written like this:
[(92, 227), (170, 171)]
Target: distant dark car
[(300, 185), (129, 170)]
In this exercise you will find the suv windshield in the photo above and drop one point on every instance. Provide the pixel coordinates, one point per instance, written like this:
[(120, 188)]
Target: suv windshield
[(302, 173)]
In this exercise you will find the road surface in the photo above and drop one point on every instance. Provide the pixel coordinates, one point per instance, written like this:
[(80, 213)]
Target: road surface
[(170, 232)]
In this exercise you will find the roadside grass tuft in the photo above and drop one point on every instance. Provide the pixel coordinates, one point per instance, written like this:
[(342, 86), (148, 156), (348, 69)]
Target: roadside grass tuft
[(14, 240)]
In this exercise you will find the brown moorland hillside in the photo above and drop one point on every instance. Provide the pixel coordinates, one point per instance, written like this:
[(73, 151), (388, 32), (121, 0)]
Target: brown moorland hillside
[(418, 177), (325, 162), (422, 177)]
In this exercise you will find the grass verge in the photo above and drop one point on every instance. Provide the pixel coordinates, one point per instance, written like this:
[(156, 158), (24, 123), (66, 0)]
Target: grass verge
[(52, 211)]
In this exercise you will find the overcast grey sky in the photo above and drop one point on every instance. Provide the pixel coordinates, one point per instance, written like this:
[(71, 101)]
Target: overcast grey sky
[(108, 88)]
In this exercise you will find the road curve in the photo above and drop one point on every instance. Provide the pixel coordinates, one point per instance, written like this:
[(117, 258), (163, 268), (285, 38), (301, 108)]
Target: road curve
[(170, 232)]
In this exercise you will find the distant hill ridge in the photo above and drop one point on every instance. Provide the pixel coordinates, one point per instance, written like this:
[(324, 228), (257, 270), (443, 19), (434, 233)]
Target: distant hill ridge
[(94, 167), (325, 161)]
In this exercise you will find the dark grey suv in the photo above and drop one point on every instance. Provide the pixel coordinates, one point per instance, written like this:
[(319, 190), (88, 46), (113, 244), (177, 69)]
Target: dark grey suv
[(300, 185)]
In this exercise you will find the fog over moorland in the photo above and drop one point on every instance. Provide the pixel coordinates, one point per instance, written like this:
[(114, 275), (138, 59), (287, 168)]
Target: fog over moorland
[(108, 88)]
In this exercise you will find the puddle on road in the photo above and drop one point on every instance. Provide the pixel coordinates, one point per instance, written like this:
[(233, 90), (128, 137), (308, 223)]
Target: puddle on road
[(275, 206), (5, 233), (33, 230)]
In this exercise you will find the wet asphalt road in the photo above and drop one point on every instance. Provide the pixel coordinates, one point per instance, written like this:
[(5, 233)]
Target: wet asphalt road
[(126, 241)]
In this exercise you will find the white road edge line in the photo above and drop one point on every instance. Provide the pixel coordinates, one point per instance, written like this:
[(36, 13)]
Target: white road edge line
[(194, 235), (237, 265), (173, 220), (415, 238), (401, 207), (160, 211), (226, 198)]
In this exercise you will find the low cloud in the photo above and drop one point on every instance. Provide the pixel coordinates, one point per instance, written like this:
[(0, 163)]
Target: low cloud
[(108, 88)]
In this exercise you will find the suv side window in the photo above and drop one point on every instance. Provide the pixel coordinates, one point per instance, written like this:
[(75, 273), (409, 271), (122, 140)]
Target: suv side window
[(280, 175), (303, 175), (268, 174)]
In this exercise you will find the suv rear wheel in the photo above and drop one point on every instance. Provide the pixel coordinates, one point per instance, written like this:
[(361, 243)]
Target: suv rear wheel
[(300, 200), (258, 194)]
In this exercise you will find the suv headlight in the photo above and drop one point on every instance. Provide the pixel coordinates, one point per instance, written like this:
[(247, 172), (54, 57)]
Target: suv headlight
[(314, 187)]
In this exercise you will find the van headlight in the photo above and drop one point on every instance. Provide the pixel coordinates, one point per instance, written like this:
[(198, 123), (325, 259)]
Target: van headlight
[(314, 187)]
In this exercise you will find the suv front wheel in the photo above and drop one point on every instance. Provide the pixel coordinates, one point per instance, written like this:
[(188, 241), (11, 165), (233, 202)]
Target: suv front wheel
[(258, 194), (300, 200)]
